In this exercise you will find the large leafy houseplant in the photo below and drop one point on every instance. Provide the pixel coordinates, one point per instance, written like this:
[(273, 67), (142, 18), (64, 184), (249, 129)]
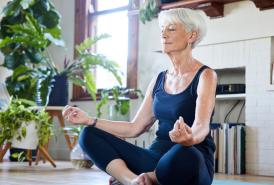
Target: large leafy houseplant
[(19, 111), (27, 29), (79, 71)]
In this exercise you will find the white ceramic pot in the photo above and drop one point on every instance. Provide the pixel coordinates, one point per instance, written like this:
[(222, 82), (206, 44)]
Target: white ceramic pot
[(30, 141)]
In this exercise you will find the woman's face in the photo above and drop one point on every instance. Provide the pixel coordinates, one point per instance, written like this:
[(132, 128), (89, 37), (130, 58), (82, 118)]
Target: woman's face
[(174, 37)]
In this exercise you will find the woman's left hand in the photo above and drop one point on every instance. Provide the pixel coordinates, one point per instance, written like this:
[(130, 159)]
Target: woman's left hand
[(181, 133)]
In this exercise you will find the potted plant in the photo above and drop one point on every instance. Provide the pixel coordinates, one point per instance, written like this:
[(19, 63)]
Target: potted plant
[(119, 109), (24, 125), (150, 9), (27, 29), (79, 71)]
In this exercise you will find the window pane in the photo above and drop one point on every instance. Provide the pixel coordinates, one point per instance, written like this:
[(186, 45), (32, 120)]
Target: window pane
[(115, 47), (110, 4)]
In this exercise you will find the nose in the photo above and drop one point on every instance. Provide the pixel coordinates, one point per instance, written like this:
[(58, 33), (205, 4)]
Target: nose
[(163, 34)]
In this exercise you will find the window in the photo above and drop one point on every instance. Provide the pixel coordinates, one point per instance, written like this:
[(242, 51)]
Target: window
[(111, 17)]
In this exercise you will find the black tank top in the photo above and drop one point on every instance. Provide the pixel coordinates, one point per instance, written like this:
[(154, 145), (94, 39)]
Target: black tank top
[(168, 107)]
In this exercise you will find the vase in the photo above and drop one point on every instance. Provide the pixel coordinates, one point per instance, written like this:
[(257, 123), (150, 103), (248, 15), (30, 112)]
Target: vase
[(59, 92), (31, 140), (79, 158), (116, 116)]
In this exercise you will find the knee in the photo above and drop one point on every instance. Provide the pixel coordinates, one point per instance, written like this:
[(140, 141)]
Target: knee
[(180, 162), (85, 137)]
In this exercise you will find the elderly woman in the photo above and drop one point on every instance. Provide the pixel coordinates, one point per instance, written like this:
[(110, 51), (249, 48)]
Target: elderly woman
[(181, 98)]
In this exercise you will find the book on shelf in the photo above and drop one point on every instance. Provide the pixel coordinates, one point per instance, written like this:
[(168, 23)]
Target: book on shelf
[(272, 73), (229, 139)]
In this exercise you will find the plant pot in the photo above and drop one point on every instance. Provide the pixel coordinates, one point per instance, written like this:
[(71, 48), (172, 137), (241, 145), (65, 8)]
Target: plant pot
[(30, 141), (59, 92), (79, 158), (168, 1), (116, 116)]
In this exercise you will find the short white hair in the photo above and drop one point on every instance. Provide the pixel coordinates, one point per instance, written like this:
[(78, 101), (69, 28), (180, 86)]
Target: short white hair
[(191, 20)]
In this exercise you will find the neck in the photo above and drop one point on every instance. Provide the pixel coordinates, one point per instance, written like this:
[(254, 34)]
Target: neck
[(182, 62)]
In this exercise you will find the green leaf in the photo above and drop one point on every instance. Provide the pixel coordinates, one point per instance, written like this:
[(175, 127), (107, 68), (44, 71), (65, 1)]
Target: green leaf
[(90, 83), (57, 42), (55, 32), (14, 155), (50, 19), (77, 80), (87, 43), (27, 102), (12, 8), (24, 131)]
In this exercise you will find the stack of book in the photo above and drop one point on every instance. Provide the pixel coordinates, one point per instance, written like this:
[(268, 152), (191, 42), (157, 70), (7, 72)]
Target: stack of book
[(229, 139)]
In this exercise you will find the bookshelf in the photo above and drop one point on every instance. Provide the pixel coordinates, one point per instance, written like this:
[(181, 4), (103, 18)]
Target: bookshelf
[(227, 128), (240, 96)]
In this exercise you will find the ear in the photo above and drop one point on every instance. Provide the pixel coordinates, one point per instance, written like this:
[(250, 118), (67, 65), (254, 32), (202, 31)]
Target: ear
[(193, 37)]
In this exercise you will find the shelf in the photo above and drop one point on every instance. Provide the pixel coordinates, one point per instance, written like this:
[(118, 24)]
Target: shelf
[(230, 96), (214, 8), (270, 87)]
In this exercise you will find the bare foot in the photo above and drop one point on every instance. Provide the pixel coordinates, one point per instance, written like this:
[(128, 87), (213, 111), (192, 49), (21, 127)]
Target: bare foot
[(153, 177), (142, 179)]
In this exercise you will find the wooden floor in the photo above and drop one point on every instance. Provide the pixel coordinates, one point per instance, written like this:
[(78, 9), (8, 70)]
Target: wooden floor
[(13, 173)]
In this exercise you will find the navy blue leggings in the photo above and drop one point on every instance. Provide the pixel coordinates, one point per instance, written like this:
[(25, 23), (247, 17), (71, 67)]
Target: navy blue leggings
[(173, 163)]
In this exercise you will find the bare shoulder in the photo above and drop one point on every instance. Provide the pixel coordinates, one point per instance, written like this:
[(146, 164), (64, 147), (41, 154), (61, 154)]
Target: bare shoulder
[(208, 75), (208, 82)]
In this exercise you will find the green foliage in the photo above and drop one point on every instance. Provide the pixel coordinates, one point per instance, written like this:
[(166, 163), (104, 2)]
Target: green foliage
[(149, 10), (121, 98), (79, 72), (20, 111), (27, 29)]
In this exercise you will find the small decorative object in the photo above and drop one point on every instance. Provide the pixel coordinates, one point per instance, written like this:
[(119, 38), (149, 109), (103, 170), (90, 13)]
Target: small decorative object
[(79, 158)]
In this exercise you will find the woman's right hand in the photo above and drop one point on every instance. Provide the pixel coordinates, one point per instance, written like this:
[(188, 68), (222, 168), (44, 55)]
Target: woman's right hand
[(76, 115)]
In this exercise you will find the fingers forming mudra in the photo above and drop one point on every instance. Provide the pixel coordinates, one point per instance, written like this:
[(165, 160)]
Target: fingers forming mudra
[(181, 133)]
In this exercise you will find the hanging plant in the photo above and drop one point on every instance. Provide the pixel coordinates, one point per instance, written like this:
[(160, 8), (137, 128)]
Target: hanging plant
[(149, 10)]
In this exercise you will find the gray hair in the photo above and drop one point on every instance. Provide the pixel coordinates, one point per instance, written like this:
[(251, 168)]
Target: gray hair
[(191, 20)]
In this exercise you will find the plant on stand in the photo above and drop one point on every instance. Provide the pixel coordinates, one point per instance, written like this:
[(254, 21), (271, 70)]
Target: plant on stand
[(24, 126), (27, 29)]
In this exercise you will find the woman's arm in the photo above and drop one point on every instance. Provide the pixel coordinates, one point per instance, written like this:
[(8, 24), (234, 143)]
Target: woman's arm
[(143, 119), (204, 105)]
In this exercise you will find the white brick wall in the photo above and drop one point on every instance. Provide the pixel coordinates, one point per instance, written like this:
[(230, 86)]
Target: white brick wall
[(256, 56)]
